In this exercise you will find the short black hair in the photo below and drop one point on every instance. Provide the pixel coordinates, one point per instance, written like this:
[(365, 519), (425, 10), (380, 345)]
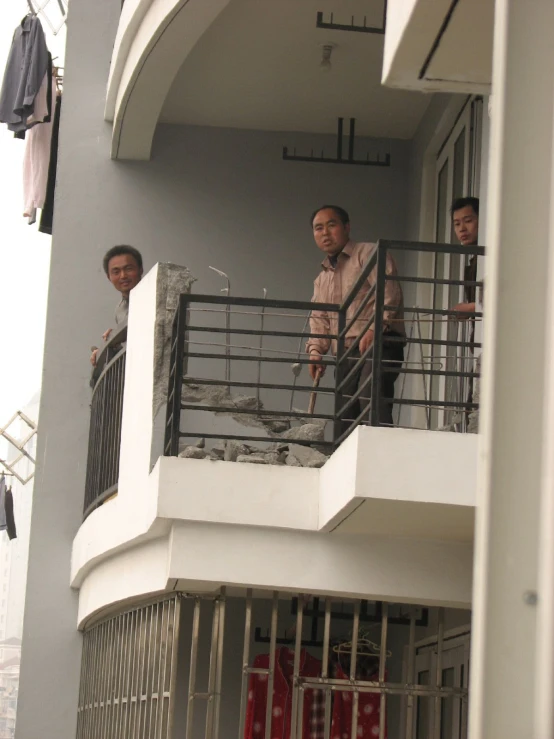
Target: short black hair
[(342, 214), (460, 203), (119, 251)]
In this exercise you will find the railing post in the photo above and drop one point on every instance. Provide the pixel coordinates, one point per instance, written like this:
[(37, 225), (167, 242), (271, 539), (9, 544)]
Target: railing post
[(376, 383), (173, 418), (340, 373)]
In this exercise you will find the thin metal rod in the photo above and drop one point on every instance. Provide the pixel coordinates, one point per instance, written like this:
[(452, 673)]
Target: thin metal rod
[(219, 668), (353, 666), (438, 675), (212, 672), (245, 663), (193, 663), (263, 385), (382, 670), (388, 688), (237, 437), (271, 677), (410, 677), (325, 667), (339, 139), (351, 140), (296, 669), (260, 350), (250, 358), (251, 412), (301, 335)]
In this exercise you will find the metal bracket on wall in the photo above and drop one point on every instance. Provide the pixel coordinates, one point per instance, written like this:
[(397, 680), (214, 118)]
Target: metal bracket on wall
[(352, 26), (367, 162)]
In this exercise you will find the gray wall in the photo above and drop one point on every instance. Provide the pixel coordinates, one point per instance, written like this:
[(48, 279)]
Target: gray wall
[(208, 196)]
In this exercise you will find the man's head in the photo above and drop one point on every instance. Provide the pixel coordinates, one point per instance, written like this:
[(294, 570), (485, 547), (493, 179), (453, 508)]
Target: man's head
[(331, 227), (123, 268), (465, 218)]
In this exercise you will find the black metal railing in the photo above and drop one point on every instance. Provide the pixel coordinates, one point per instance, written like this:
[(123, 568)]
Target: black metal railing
[(105, 422), (206, 370), (438, 382), (433, 390)]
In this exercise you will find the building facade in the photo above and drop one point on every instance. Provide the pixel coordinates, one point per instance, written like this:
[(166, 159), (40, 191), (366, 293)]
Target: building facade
[(176, 588)]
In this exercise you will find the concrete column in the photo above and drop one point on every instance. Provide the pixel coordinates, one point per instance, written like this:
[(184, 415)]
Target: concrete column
[(504, 646), (51, 654)]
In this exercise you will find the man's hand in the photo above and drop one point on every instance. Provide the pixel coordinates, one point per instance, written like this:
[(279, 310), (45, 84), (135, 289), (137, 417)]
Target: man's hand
[(367, 340), (94, 355), (106, 335), (316, 369), (464, 311)]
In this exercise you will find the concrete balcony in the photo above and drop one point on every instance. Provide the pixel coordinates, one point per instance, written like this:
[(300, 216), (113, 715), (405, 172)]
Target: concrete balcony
[(389, 516), (439, 46)]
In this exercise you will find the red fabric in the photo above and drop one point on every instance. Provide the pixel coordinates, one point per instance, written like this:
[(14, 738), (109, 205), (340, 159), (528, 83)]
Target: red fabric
[(369, 713), (282, 695)]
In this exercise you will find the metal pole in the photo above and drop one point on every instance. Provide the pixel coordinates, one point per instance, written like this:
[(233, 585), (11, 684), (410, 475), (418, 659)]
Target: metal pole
[(353, 664), (261, 352), (271, 677), (378, 335), (296, 671), (245, 663), (351, 139), (227, 323), (339, 139), (382, 670)]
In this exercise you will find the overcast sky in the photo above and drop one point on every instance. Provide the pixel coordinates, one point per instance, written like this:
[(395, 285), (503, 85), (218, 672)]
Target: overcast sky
[(24, 253)]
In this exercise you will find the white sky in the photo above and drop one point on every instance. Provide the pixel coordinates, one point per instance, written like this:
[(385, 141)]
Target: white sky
[(24, 253)]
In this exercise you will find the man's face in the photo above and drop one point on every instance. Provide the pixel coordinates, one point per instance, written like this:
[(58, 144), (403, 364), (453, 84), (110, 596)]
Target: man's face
[(466, 225), (330, 233), (124, 273)]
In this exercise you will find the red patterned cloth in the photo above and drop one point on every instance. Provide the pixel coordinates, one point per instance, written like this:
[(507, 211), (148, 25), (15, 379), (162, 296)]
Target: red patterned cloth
[(369, 713), (282, 697)]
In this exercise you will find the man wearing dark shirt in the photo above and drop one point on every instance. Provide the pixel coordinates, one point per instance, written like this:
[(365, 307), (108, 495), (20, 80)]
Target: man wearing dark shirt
[(123, 268)]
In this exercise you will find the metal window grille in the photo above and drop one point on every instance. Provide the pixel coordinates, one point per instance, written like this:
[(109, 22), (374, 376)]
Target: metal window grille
[(22, 446), (54, 13), (128, 670)]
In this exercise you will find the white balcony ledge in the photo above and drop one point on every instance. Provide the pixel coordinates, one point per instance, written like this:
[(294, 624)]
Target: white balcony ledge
[(390, 516)]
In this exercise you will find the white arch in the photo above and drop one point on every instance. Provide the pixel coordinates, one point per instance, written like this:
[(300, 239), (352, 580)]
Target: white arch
[(154, 39)]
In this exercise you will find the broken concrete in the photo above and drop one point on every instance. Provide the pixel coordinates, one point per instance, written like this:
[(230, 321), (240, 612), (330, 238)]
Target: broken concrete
[(306, 456), (307, 432), (252, 459), (233, 450), (193, 452)]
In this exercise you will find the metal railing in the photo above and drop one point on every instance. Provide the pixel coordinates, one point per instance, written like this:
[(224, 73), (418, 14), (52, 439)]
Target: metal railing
[(106, 411), (433, 358), (438, 379), (209, 366)]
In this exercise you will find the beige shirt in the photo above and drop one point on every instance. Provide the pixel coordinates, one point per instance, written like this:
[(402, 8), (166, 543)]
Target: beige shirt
[(333, 284)]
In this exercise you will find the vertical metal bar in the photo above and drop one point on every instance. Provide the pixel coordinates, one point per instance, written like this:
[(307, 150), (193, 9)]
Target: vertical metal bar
[(378, 335), (193, 663), (106, 672), (245, 663), (176, 379), (353, 665), (425, 395), (465, 683), (296, 668), (154, 668), (351, 139), (125, 697), (164, 682), (340, 373), (271, 676), (325, 666), (339, 139), (438, 677), (212, 671), (96, 670), (148, 681), (173, 663), (260, 351), (164, 636), (382, 670), (141, 698), (410, 678), (219, 668)]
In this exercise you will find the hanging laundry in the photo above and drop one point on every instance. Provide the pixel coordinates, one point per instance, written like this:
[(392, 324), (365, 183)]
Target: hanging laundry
[(26, 68), (36, 161), (282, 697), (369, 711), (47, 215), (10, 518)]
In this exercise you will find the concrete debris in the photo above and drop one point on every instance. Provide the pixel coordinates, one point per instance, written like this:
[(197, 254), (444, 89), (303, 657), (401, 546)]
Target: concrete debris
[(292, 461), (193, 452), (307, 432), (234, 449), (306, 456), (252, 459)]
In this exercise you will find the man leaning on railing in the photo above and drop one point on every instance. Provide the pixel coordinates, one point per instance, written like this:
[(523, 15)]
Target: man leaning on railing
[(343, 264), (123, 268)]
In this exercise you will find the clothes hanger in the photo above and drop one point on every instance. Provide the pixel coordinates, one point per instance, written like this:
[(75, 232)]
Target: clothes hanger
[(366, 648)]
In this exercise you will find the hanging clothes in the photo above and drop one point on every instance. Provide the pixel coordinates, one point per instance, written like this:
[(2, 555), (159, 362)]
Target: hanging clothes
[(36, 160), (25, 70), (10, 518), (369, 711), (3, 524), (312, 727), (47, 215)]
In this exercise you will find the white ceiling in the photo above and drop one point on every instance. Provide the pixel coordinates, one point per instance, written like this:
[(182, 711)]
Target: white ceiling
[(258, 67)]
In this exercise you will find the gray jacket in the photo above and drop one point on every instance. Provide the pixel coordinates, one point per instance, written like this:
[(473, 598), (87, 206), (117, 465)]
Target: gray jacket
[(25, 69)]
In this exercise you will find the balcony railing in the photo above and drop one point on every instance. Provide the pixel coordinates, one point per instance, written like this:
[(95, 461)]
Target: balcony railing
[(105, 422), (212, 356)]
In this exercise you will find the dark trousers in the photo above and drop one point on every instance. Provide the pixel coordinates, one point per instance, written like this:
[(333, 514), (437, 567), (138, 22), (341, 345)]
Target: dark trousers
[(392, 359)]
